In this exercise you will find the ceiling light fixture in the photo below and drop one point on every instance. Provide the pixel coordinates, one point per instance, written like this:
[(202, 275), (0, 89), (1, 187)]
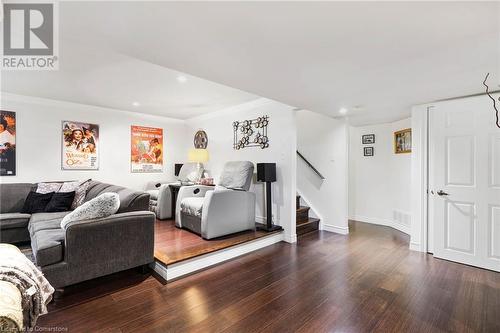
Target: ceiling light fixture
[(181, 79), (343, 111), (136, 104)]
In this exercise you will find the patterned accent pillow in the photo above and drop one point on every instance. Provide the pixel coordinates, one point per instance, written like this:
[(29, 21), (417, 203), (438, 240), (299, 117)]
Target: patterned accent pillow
[(101, 206), (48, 187), (80, 189)]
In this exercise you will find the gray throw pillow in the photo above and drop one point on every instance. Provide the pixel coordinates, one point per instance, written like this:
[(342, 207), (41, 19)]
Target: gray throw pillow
[(101, 206), (80, 189)]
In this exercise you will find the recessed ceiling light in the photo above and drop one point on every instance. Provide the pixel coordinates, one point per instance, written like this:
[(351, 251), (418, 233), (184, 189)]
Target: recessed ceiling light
[(343, 111), (181, 78), (136, 104)]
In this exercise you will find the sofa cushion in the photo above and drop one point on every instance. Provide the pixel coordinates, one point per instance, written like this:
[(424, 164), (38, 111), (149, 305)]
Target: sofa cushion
[(40, 221), (13, 196), (45, 225), (14, 220), (192, 206), (48, 246), (47, 216), (130, 200), (237, 175), (104, 205)]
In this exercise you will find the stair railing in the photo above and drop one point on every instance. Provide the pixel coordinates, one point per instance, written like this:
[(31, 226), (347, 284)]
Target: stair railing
[(311, 166)]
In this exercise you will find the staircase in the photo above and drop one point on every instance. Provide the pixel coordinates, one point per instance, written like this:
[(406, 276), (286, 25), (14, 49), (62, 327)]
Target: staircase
[(305, 223)]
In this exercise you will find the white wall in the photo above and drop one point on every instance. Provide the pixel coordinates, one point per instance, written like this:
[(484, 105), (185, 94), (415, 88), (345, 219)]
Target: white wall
[(323, 141), (39, 141), (282, 136), (380, 186)]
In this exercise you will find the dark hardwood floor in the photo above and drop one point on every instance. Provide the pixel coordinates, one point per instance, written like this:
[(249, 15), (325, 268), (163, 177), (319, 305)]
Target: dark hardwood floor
[(173, 244), (365, 282)]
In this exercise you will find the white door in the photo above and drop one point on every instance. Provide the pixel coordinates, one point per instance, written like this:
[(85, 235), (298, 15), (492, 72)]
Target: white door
[(464, 182)]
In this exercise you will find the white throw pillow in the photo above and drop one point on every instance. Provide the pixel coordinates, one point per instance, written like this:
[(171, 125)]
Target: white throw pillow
[(101, 206), (48, 187)]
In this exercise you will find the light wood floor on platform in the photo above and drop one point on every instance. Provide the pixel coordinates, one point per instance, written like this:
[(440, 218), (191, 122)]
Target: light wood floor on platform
[(173, 244), (367, 281)]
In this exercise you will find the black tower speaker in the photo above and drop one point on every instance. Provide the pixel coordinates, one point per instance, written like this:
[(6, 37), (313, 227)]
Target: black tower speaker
[(266, 172), (177, 168)]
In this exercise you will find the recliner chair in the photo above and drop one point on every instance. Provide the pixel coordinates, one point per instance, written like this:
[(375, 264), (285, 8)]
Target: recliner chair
[(214, 212), (160, 195)]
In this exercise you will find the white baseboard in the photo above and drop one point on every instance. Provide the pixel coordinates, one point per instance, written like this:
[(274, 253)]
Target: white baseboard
[(333, 228), (189, 266), (416, 247), (385, 222), (290, 238)]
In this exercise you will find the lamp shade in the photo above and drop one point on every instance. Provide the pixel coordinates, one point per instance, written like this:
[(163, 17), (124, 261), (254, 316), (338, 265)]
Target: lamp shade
[(266, 172), (198, 155)]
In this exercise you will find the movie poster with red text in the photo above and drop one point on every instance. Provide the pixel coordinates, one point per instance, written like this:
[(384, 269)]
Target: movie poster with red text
[(80, 146), (146, 149), (7, 143)]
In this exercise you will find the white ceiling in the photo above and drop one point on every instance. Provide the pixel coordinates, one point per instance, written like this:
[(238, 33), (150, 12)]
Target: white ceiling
[(375, 58), (118, 81)]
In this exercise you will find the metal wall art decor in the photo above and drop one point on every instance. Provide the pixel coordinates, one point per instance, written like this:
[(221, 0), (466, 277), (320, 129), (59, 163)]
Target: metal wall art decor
[(201, 140), (251, 133)]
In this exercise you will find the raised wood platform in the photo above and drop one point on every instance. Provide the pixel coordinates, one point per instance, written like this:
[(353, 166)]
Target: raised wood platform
[(173, 245)]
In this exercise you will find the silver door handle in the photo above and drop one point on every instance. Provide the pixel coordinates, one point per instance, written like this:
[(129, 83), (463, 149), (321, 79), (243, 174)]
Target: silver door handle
[(441, 193)]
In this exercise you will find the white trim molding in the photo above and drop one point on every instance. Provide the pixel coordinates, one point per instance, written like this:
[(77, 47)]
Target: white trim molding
[(419, 176), (335, 229), (177, 270), (416, 247)]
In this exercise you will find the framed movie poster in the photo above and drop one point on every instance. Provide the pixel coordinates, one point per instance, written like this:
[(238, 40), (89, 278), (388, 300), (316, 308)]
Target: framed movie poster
[(80, 146), (7, 143), (146, 151)]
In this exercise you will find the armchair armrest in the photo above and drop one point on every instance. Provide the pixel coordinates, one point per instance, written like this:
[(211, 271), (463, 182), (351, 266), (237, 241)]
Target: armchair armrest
[(186, 192), (117, 242), (153, 185), (228, 211)]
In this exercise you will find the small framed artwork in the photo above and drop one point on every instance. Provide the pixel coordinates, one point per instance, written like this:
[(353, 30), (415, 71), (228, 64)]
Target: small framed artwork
[(368, 151), (402, 141), (368, 139)]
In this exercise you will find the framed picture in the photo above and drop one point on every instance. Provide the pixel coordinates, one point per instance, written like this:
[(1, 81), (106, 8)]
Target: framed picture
[(80, 146), (7, 143), (146, 150), (402, 141), (368, 139), (368, 151)]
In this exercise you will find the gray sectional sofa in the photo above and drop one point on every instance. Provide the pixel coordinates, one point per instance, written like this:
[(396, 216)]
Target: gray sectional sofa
[(84, 250)]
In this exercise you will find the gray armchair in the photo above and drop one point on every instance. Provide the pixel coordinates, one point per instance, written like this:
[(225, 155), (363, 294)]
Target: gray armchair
[(160, 194), (223, 210)]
